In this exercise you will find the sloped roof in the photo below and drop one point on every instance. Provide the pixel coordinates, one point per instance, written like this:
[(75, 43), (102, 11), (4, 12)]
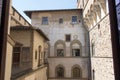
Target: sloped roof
[(30, 28)]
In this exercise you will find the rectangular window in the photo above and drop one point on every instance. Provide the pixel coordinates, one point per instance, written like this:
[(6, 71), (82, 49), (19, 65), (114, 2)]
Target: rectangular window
[(60, 20), (74, 19), (68, 37), (60, 52), (16, 55), (76, 52), (44, 20)]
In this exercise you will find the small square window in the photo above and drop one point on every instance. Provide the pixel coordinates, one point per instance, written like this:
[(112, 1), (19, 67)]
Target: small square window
[(44, 20), (68, 37), (60, 20), (74, 19)]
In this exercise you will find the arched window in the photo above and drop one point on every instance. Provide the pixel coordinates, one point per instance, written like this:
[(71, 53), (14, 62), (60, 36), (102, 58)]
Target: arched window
[(60, 72), (76, 48), (76, 72), (60, 48)]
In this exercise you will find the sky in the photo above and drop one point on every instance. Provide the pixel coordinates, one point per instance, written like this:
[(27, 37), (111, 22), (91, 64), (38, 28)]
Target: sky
[(22, 5)]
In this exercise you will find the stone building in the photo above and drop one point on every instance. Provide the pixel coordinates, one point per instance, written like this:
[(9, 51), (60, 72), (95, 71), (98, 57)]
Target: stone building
[(96, 18), (79, 47), (29, 62), (28, 52), (68, 53)]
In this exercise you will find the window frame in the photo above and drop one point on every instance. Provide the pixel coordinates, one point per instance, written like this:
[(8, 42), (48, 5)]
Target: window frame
[(74, 19), (18, 53), (76, 74), (61, 73), (58, 55), (68, 37), (75, 54), (44, 20)]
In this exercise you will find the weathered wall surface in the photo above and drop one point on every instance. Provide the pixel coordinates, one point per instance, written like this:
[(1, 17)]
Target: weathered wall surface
[(38, 40), (68, 63), (17, 19), (102, 61), (23, 37), (8, 61), (56, 31)]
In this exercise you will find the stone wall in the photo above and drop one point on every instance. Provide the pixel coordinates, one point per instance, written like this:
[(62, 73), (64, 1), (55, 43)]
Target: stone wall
[(68, 63), (17, 18), (56, 32), (102, 61), (8, 65), (22, 36)]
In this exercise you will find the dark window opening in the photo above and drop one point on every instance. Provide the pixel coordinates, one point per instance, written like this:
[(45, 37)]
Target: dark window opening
[(35, 54), (76, 52), (74, 19), (16, 55), (60, 20), (44, 20), (76, 72), (68, 38), (93, 74), (39, 59), (98, 26), (60, 72), (93, 49), (60, 52)]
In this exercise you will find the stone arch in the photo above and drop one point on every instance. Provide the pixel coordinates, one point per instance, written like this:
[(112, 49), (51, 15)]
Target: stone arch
[(76, 71), (59, 48), (76, 44), (60, 71)]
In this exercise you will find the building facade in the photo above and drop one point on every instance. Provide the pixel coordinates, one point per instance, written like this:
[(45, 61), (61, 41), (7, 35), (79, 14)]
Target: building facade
[(96, 18), (28, 52), (79, 47), (68, 53)]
